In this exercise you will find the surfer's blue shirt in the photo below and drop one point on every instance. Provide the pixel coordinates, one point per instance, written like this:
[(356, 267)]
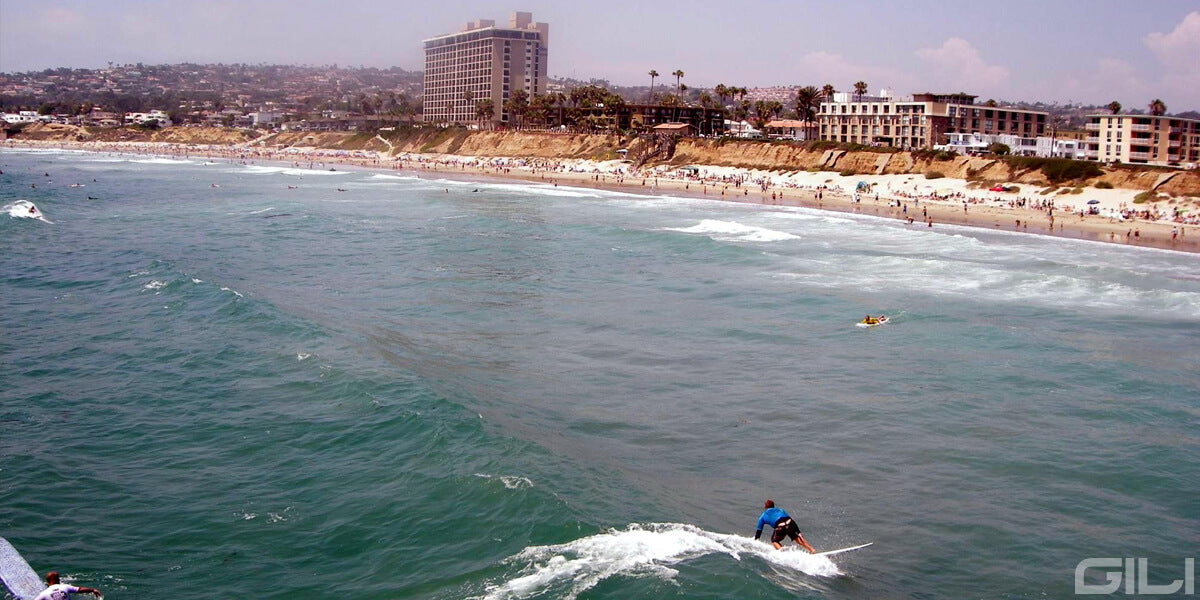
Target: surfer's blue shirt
[(771, 516)]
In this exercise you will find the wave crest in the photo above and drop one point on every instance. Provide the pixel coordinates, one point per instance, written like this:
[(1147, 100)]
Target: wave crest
[(650, 550)]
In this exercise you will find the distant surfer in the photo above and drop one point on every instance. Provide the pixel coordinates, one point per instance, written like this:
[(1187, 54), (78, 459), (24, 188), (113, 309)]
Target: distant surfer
[(784, 527), (61, 591)]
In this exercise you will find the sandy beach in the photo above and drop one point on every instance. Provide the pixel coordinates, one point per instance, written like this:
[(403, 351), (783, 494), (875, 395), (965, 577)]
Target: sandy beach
[(907, 197)]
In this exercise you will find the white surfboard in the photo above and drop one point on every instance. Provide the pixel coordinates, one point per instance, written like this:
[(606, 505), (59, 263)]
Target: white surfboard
[(19, 579), (841, 550)]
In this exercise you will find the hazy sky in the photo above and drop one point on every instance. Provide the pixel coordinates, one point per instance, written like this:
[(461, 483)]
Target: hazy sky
[(1054, 50)]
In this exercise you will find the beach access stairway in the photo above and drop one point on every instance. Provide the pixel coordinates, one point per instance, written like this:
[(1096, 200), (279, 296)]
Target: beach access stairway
[(656, 146)]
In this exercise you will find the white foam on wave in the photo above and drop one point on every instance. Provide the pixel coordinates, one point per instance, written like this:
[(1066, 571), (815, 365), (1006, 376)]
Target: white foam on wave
[(651, 550), (41, 150), (161, 161), (24, 209), (303, 356), (537, 189), (545, 190), (394, 177), (155, 285), (258, 212), (234, 292), (510, 482), (734, 231), (969, 268), (297, 172)]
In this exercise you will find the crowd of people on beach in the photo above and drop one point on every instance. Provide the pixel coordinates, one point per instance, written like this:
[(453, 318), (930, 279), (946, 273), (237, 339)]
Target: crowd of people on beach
[(723, 182)]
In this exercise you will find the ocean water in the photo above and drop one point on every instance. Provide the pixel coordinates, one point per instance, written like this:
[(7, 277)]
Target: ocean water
[(441, 388)]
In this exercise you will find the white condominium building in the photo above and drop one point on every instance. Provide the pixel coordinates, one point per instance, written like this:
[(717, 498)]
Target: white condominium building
[(1144, 139), (921, 121)]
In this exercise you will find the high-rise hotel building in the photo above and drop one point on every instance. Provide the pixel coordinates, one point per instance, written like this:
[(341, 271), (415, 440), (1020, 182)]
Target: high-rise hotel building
[(484, 61)]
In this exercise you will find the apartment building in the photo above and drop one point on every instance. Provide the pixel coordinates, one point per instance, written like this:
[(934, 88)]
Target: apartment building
[(922, 120), (484, 61), (1144, 139)]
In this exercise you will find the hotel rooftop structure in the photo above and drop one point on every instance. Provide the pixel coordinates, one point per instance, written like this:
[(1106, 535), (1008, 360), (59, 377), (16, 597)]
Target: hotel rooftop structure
[(484, 61), (1143, 139), (921, 121)]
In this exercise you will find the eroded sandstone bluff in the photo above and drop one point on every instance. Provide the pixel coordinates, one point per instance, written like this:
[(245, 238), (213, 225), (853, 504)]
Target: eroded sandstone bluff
[(748, 154)]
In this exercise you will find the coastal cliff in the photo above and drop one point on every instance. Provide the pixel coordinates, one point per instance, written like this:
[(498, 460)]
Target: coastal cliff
[(747, 154)]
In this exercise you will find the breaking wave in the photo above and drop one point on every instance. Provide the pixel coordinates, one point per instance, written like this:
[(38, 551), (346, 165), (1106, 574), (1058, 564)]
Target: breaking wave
[(651, 550)]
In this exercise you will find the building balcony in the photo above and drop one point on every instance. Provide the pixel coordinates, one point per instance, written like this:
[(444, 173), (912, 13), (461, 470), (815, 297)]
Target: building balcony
[(1136, 127), (1092, 127), (1139, 156)]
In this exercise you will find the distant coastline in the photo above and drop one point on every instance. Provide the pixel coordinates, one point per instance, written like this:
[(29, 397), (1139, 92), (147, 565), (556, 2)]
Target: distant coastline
[(897, 186)]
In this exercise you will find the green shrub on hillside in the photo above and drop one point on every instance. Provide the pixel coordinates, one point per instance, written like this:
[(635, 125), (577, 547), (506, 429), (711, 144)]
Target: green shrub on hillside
[(821, 145), (934, 175), (1144, 197), (847, 173), (931, 155), (1104, 185), (1056, 170)]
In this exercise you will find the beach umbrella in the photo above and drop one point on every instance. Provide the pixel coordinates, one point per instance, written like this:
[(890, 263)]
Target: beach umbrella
[(1093, 202)]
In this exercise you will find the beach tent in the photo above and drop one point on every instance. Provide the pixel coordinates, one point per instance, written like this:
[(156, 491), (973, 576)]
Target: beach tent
[(862, 185), (1093, 202)]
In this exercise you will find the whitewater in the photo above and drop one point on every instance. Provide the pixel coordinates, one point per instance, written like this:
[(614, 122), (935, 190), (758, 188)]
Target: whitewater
[(398, 385)]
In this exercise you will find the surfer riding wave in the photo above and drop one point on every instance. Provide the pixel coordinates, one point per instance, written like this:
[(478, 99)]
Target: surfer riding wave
[(658, 550)]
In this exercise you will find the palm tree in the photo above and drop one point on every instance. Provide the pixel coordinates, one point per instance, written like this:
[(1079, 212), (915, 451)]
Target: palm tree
[(722, 92), (678, 74), (1114, 107), (827, 92), (468, 98), (516, 105), (485, 109), (765, 110), (404, 106), (860, 89), (706, 100), (653, 74), (1157, 107), (807, 100), (741, 111)]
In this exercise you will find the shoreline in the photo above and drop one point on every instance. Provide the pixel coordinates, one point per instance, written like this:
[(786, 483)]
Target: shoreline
[(718, 183)]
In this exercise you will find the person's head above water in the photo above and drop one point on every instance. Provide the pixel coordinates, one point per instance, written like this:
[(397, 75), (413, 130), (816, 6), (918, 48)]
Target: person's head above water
[(52, 578), (769, 504)]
